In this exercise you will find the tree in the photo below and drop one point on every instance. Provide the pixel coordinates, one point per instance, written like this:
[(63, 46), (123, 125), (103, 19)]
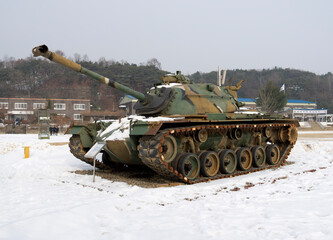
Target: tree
[(154, 62), (85, 58), (60, 53), (77, 57), (271, 99)]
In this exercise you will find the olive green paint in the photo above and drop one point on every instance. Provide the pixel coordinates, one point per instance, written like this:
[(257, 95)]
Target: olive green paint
[(217, 105), (86, 139), (75, 129), (139, 128)]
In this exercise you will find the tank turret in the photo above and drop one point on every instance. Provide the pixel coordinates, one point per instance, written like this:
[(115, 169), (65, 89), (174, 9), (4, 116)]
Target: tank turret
[(176, 95)]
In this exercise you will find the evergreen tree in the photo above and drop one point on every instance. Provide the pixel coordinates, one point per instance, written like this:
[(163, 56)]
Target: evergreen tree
[(271, 99)]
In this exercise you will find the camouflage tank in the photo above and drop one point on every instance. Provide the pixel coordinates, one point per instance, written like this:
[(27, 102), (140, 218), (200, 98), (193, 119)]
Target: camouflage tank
[(184, 131)]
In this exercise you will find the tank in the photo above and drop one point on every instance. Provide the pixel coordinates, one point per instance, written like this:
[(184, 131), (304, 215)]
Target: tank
[(183, 131)]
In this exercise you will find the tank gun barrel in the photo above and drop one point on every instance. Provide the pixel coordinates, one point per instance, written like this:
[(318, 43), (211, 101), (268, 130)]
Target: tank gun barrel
[(43, 51)]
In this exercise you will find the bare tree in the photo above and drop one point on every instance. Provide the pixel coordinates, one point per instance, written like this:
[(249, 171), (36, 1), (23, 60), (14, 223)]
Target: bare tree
[(60, 53), (154, 62), (271, 99), (85, 58), (102, 61), (77, 57), (9, 62)]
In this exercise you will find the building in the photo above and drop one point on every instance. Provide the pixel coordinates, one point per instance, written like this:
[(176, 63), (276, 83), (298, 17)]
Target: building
[(94, 115), (250, 103), (299, 109), (27, 108), (317, 115), (127, 103), (300, 104)]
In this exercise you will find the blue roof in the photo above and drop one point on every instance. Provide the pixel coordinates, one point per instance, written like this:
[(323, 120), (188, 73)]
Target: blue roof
[(309, 109), (131, 97), (289, 100), (246, 100), (299, 101)]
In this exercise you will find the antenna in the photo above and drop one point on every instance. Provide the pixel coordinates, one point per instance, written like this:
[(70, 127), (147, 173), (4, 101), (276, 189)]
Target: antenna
[(221, 79)]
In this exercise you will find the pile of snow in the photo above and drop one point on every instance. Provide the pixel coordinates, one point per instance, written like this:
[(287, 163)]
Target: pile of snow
[(170, 85), (40, 198), (121, 129)]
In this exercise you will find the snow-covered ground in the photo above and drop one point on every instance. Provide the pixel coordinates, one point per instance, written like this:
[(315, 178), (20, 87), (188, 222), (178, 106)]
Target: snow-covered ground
[(40, 198)]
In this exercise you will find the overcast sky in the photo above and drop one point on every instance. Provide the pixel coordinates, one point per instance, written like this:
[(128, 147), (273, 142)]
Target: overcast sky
[(185, 35)]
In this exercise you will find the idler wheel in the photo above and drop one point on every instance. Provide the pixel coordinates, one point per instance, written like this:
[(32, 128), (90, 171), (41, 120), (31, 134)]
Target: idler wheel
[(272, 154), (283, 134), (189, 166), (244, 158), (210, 164), (169, 149), (292, 134), (259, 156), (228, 161)]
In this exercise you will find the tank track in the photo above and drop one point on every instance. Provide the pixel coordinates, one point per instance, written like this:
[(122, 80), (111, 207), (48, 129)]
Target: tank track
[(150, 150), (78, 151)]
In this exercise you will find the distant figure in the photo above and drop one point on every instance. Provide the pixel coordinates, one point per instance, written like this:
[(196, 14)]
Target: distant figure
[(51, 131), (56, 130)]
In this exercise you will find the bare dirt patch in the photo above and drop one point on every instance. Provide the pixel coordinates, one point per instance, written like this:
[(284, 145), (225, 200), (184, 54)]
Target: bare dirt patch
[(139, 176)]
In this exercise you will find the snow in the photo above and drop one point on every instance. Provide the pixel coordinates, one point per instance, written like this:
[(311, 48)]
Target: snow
[(41, 198), (169, 85), (121, 129), (316, 132)]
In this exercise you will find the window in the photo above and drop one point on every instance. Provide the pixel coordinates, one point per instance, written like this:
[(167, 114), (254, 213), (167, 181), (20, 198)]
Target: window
[(79, 106), (78, 117), (3, 105), (60, 106), (39, 105), (20, 105)]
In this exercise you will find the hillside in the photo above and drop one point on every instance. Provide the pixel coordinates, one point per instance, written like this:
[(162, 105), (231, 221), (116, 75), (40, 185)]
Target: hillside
[(41, 78), (299, 84)]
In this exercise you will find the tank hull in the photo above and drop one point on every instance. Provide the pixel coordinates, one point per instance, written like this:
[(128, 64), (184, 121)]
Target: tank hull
[(195, 149)]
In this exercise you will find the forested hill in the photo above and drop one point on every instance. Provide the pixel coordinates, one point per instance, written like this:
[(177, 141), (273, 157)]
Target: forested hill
[(44, 79), (40, 78), (298, 84)]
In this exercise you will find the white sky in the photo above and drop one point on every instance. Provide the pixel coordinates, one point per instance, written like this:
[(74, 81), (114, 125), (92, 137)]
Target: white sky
[(185, 35)]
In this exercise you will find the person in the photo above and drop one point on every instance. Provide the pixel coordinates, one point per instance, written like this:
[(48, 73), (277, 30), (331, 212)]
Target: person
[(51, 131)]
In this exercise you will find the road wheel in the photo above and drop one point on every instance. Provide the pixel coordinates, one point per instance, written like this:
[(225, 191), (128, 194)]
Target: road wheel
[(259, 156), (244, 158), (228, 161), (210, 164), (189, 166), (272, 154)]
